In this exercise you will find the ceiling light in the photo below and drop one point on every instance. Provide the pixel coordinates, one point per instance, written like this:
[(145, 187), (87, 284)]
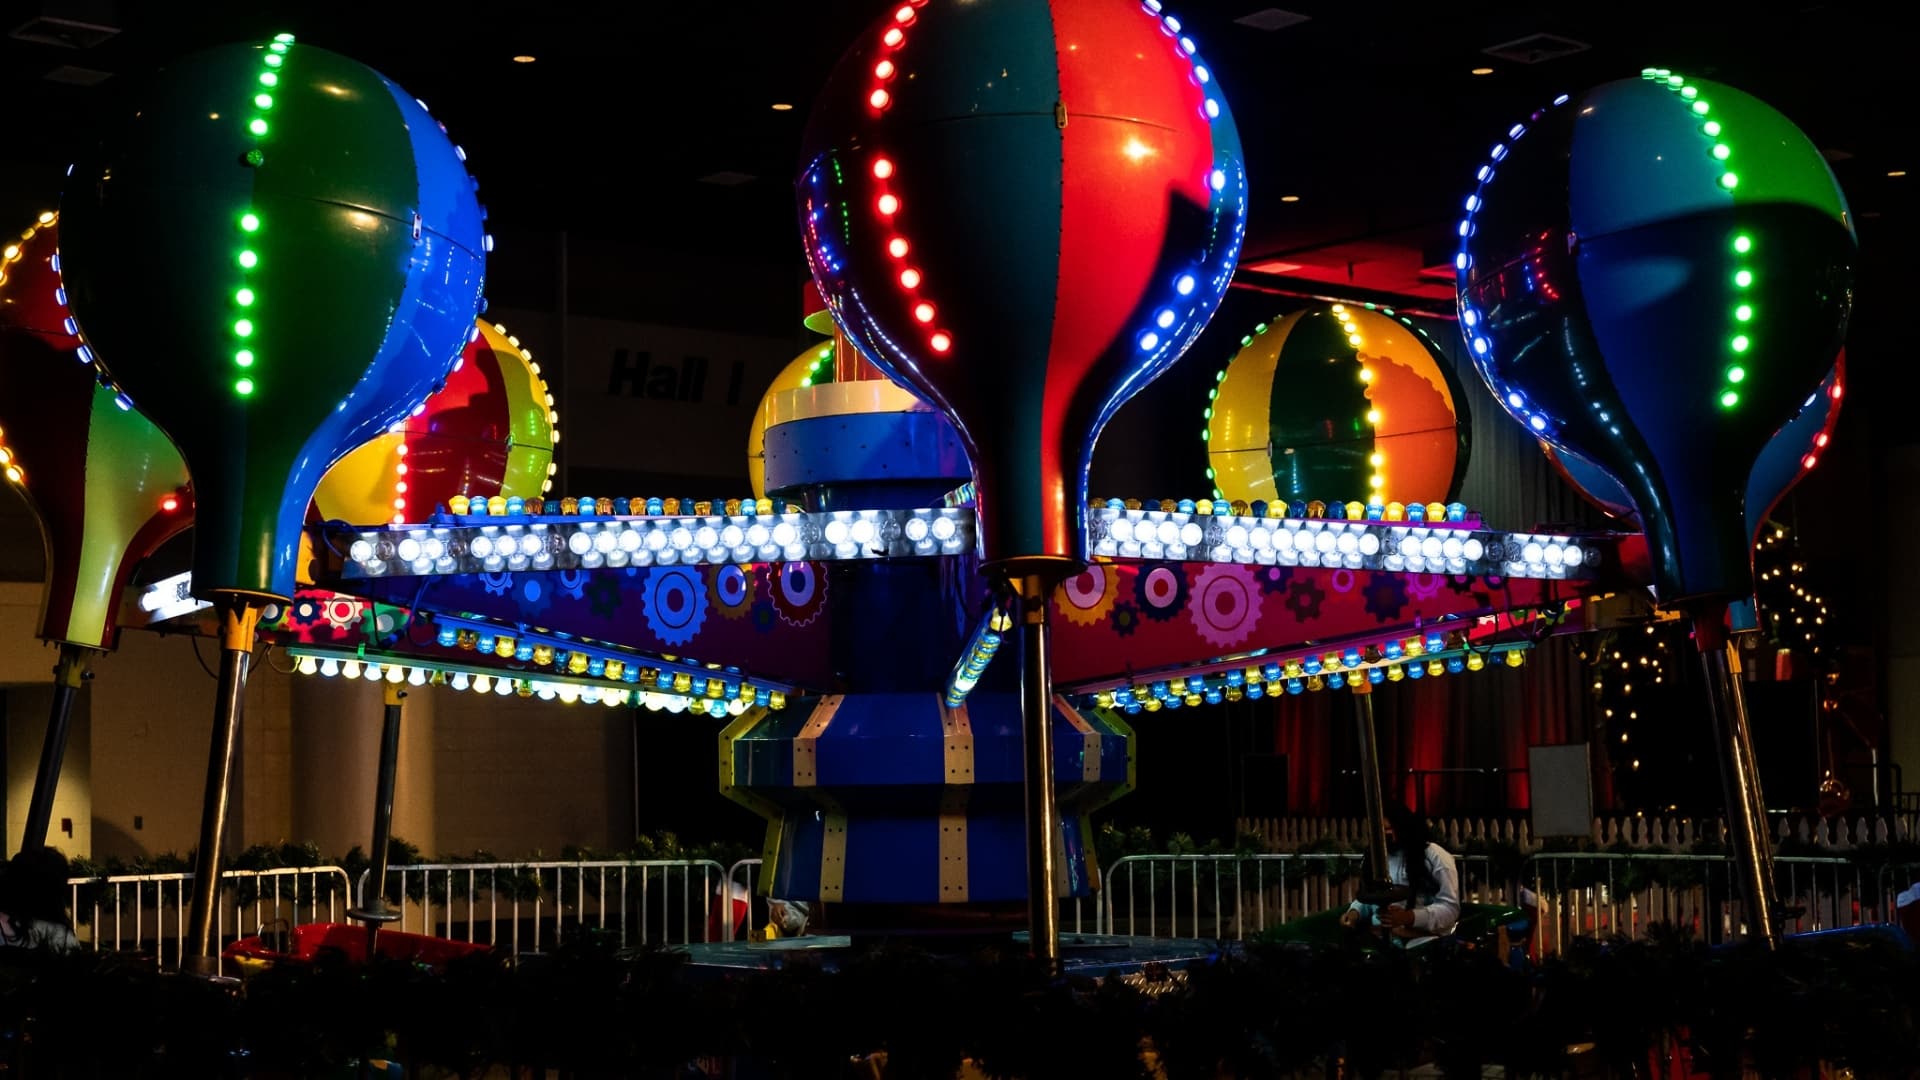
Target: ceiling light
[(523, 58), (1483, 71), (1897, 172), (1289, 198), (781, 106)]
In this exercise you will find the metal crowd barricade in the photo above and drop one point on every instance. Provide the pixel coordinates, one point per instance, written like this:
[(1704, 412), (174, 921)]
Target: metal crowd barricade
[(1229, 896), (1600, 894), (522, 907), (129, 912)]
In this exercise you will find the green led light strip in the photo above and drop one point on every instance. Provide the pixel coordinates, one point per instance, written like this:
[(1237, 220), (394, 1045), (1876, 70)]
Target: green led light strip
[(1740, 336), (248, 222)]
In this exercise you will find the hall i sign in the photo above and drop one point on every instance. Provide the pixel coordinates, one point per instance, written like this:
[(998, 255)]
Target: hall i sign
[(637, 373)]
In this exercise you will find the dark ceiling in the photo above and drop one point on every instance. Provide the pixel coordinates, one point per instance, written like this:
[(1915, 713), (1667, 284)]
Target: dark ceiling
[(1368, 113)]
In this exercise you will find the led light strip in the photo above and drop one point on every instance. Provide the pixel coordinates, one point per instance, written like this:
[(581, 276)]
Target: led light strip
[(1170, 329), (248, 221), (1296, 677), (546, 392), (980, 652), (567, 657), (1435, 548), (376, 667), (884, 170), (588, 543), (1470, 316)]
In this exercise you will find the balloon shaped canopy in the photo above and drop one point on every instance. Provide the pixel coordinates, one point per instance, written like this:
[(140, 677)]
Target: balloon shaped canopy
[(1794, 450), (1654, 274), (1337, 402), (813, 365), (1023, 210), (304, 240), (489, 431), (107, 485)]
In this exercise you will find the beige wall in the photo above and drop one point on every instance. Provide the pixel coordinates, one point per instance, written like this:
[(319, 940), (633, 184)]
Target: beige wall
[(500, 774)]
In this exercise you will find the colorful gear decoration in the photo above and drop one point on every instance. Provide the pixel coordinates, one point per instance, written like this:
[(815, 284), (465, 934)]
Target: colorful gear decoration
[(603, 596), (1386, 596), (574, 583), (763, 616), (1274, 579), (1125, 619), (497, 584), (1162, 592), (798, 591), (1342, 580), (730, 591), (1085, 598), (674, 600), (1424, 586), (1226, 604), (1304, 598), (341, 612)]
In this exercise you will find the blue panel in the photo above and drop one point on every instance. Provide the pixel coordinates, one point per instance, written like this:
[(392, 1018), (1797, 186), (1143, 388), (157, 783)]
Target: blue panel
[(865, 447), (996, 859), (798, 875), (892, 860)]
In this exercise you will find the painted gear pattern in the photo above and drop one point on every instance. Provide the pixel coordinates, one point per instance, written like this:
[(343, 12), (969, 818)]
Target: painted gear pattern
[(1087, 597), (1161, 591), (1226, 607), (674, 601), (798, 591), (1386, 596), (731, 591), (1304, 598)]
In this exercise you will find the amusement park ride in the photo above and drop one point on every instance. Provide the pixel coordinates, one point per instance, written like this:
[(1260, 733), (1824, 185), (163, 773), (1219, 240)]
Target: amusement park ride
[(1017, 213)]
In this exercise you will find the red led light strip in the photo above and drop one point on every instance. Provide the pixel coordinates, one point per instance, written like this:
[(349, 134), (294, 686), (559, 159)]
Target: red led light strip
[(886, 203)]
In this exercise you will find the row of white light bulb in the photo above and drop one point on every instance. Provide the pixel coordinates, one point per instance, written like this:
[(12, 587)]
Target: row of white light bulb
[(504, 686), (792, 537)]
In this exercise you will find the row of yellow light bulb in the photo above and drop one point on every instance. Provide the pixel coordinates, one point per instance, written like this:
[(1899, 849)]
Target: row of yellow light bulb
[(505, 646), (11, 253), (1395, 672), (1378, 480), (483, 683)]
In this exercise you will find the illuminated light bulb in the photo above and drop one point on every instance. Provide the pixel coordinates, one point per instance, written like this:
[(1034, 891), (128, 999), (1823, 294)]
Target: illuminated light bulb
[(1729, 181), (904, 14), (940, 342), (273, 59), (1377, 460), (1721, 152), (263, 101), (268, 78), (1736, 374), (1743, 278), (888, 204), (1729, 399), (1184, 284), (1373, 416), (243, 387), (1743, 313), (244, 297), (1149, 341), (257, 126), (897, 247), (250, 222), (923, 312), (1711, 127), (893, 37), (244, 358), (308, 665), (417, 677), (883, 70), (1740, 343), (482, 684), (243, 328), (879, 99), (882, 168), (909, 278), (329, 667), (249, 260), (1366, 375)]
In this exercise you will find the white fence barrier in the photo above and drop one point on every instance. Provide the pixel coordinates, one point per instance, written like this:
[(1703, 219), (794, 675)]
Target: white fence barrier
[(130, 912), (1834, 834), (523, 907)]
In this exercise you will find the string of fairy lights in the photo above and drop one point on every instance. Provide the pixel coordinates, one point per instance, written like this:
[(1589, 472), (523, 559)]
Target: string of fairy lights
[(1636, 685)]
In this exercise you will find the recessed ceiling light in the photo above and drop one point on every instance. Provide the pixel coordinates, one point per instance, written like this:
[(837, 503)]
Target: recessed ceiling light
[(523, 58), (781, 106), (1897, 172), (1483, 71), (1289, 198)]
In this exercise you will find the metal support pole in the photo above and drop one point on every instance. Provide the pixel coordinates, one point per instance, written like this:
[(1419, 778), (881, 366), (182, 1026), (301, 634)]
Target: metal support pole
[(239, 620), (372, 910), (1370, 789), (68, 673), (1739, 778), (1043, 819)]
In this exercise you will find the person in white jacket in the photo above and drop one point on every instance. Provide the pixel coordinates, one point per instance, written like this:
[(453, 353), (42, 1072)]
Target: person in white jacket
[(1429, 873)]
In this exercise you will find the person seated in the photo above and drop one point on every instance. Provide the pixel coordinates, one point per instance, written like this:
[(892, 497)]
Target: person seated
[(33, 903), (1427, 870), (785, 919)]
